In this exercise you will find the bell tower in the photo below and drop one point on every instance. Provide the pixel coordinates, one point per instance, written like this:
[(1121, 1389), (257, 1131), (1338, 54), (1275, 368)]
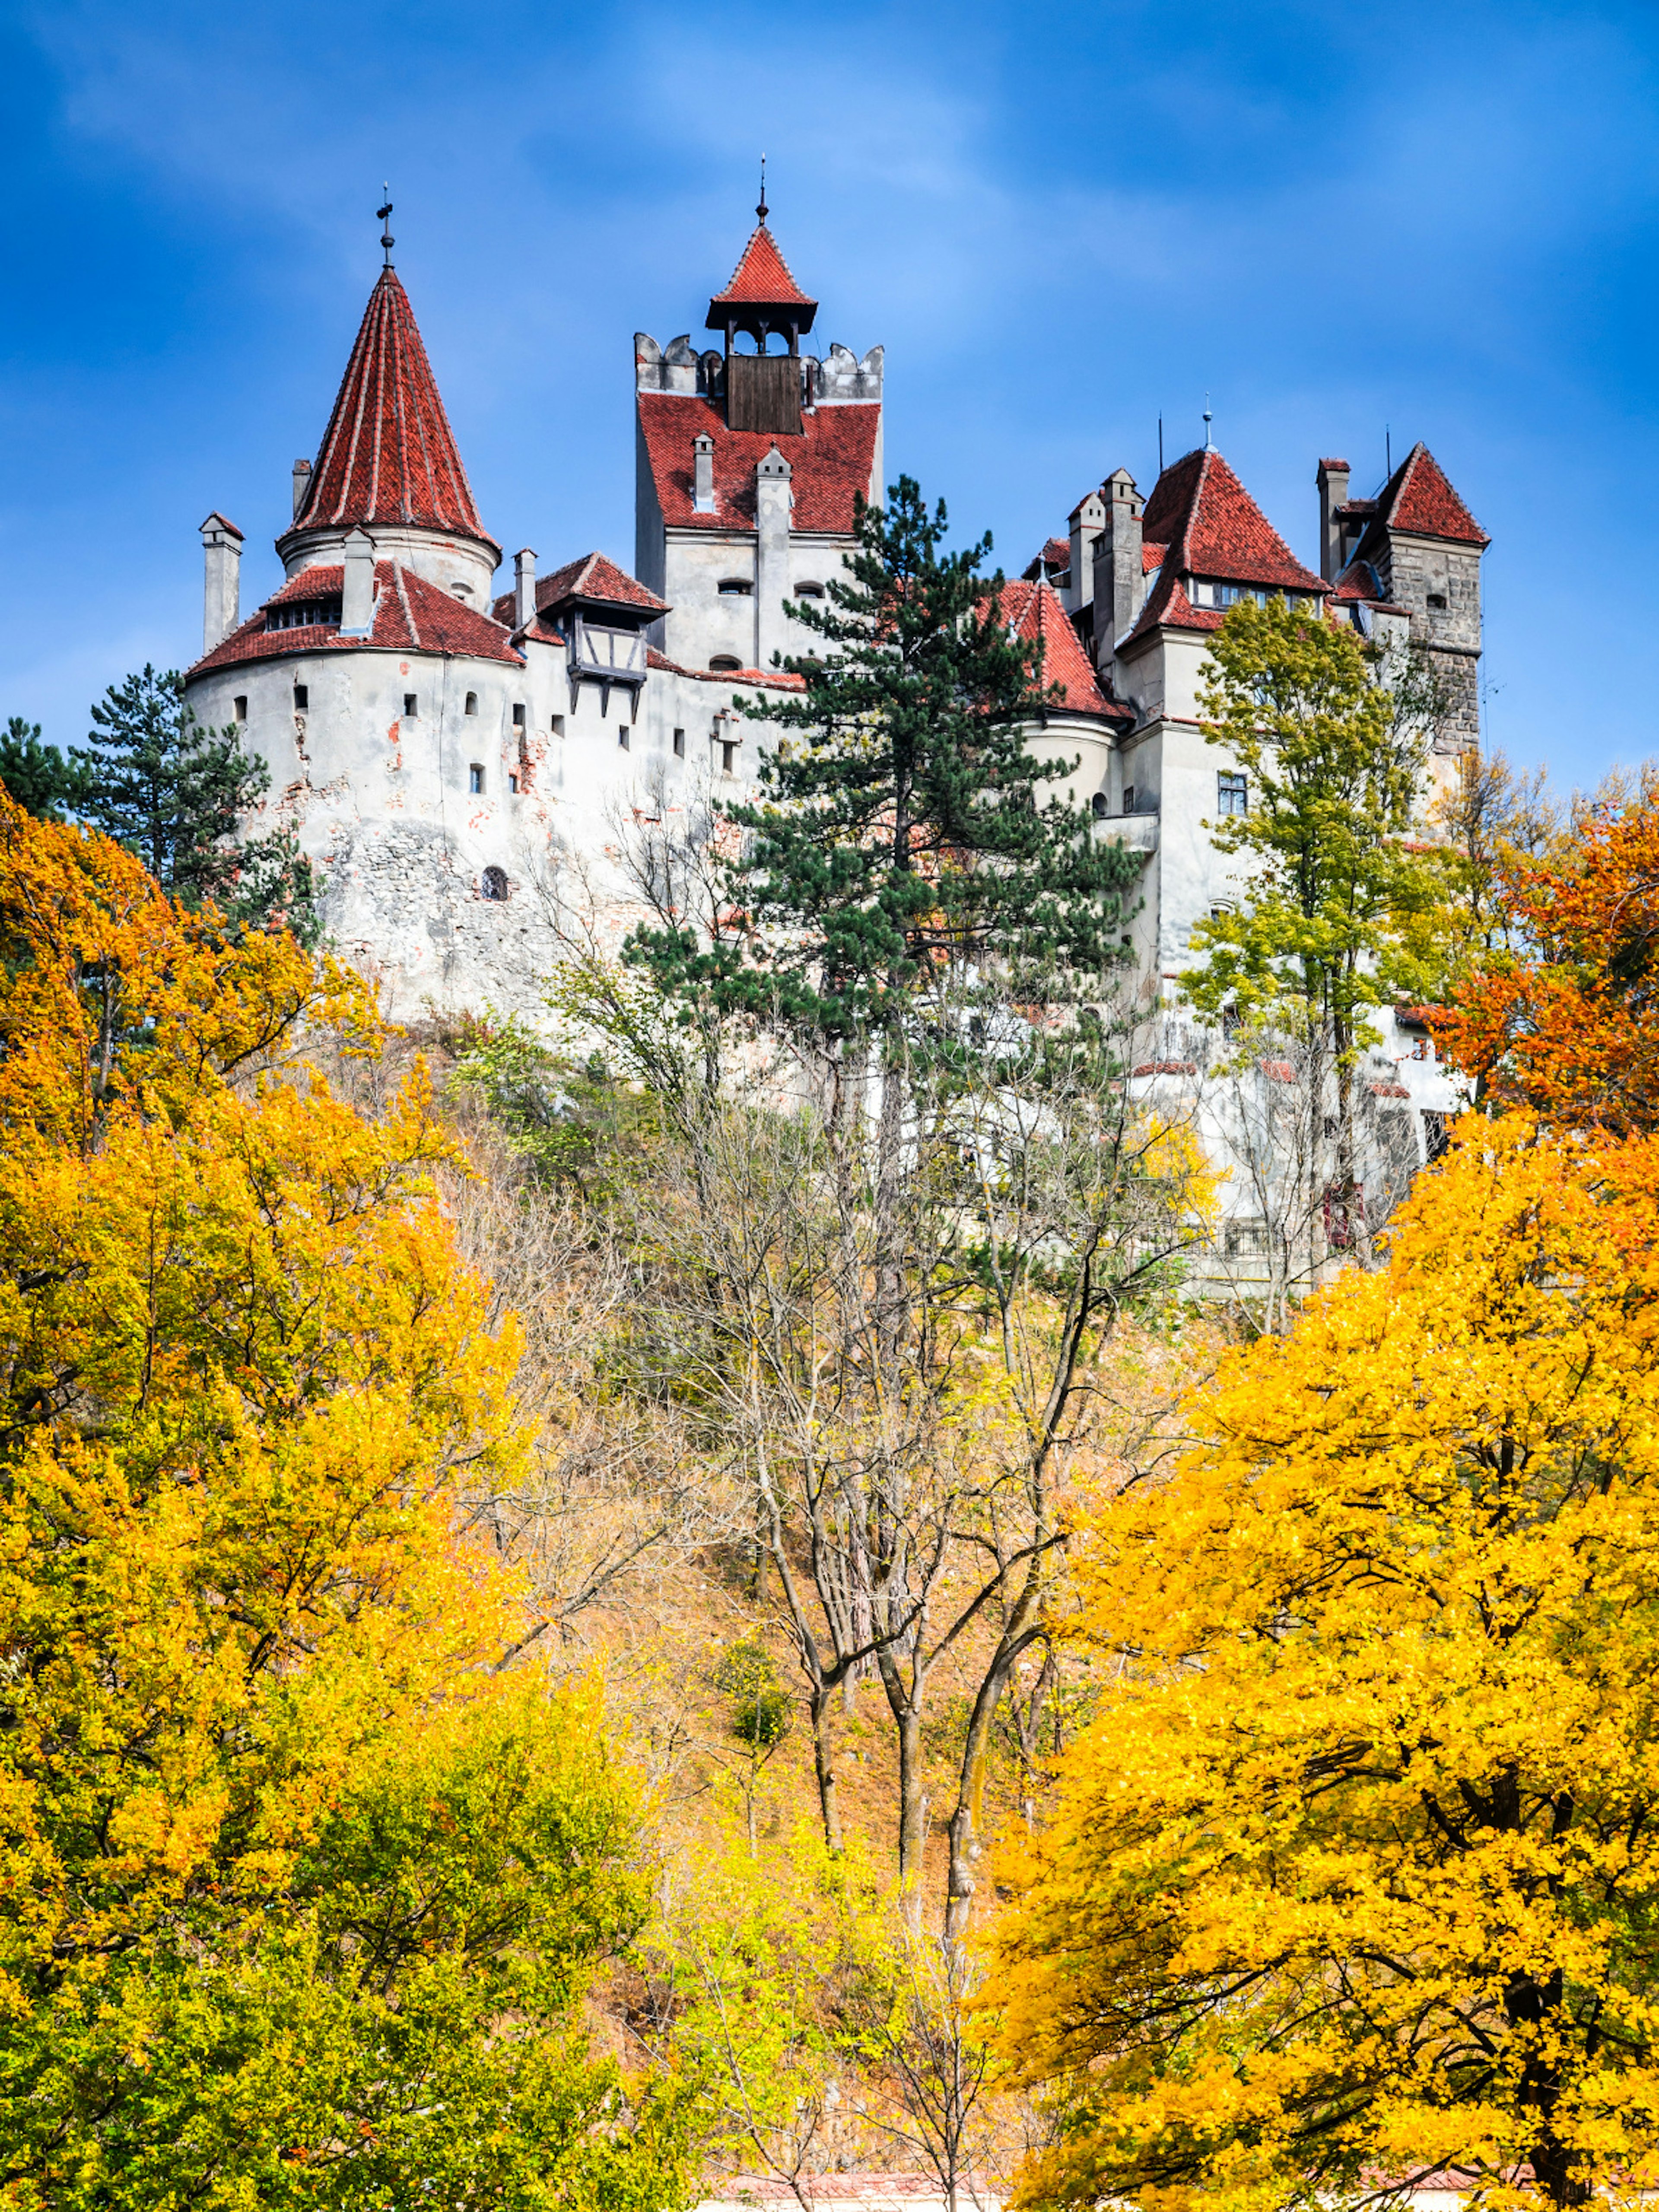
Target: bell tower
[(763, 390)]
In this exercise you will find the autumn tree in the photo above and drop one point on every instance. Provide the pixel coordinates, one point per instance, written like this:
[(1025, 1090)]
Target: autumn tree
[(301, 1886), (1560, 1011), (1355, 1876), (1328, 923)]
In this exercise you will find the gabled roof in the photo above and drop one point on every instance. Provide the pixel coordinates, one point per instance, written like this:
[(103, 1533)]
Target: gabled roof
[(1419, 500), (761, 279), (594, 579), (389, 455), (1056, 554), (1035, 611), (1213, 528), (411, 615), (1200, 521), (831, 462)]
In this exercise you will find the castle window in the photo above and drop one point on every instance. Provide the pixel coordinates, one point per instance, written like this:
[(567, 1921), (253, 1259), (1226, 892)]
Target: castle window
[(809, 591), (512, 783), (1437, 599), (411, 706), (728, 755), (472, 706), (301, 698), (239, 703), (735, 587), (303, 614), (1232, 793), (679, 744), (724, 661), (492, 883), (518, 714), (474, 777), (1128, 799), (557, 725), (621, 736), (1098, 804)]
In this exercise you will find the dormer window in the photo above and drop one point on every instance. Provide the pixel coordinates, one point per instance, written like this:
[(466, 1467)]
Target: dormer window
[(303, 614), (736, 587)]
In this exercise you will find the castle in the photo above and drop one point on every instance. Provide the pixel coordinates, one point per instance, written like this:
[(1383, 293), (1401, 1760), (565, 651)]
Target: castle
[(461, 764)]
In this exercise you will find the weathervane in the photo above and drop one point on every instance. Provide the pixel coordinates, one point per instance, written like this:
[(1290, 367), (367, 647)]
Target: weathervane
[(761, 209), (384, 215)]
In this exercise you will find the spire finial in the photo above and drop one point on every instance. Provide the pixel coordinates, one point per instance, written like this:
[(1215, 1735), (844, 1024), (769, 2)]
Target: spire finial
[(384, 215), (761, 210), (1208, 418)]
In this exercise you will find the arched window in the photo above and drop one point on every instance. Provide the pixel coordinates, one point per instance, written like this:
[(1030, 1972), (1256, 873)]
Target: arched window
[(723, 662), (736, 587), (471, 702), (809, 591), (1098, 803), (495, 883)]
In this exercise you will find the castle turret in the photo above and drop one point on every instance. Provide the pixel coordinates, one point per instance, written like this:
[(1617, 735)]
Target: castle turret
[(389, 465)]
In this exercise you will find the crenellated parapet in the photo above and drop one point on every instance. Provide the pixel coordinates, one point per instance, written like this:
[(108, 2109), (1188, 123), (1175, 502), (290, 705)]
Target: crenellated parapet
[(841, 378)]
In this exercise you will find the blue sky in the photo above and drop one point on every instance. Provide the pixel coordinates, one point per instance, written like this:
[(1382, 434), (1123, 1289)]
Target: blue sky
[(1060, 220)]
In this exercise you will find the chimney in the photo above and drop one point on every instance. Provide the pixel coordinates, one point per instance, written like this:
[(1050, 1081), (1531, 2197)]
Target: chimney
[(1086, 520), (222, 596), (301, 485), (1120, 574), (524, 589), (1332, 482), (357, 599), (702, 464)]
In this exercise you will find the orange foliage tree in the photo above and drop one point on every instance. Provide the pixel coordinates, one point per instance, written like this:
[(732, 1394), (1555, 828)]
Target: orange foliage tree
[(1355, 1876), (1561, 1012), (296, 1886)]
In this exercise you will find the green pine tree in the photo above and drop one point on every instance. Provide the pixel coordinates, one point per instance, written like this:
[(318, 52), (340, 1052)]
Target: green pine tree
[(903, 827), (37, 776), (174, 793)]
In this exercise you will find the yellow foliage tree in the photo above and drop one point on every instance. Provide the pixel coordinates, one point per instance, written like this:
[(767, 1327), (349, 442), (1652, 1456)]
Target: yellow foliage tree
[(1356, 1875), (296, 1886)]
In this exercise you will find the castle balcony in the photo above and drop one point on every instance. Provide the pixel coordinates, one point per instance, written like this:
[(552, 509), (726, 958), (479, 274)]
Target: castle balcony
[(613, 656), (1138, 832)]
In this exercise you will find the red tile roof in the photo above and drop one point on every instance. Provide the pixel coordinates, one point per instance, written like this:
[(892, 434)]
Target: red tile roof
[(410, 616), (1329, 462), (1418, 499), (1035, 610), (1151, 557), (1215, 528), (761, 279), (831, 462), (593, 577), (1056, 554), (1200, 521), (389, 455), (776, 679)]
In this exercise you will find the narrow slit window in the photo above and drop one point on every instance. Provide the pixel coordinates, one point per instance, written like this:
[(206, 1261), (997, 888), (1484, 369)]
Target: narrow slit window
[(679, 744), (301, 698), (240, 705), (518, 714), (472, 706), (411, 706), (512, 783), (621, 736), (728, 755), (557, 725), (475, 776)]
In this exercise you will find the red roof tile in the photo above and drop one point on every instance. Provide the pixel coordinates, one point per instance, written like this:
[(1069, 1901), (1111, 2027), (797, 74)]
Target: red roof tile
[(592, 578), (1151, 557), (1035, 610), (831, 462), (389, 455), (761, 279), (410, 616), (1056, 554), (1419, 500), (777, 679), (1215, 528)]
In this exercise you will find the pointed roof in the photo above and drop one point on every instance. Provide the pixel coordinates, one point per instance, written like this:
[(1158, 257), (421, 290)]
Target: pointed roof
[(594, 581), (761, 279), (389, 455), (1034, 609), (1210, 526), (1419, 500)]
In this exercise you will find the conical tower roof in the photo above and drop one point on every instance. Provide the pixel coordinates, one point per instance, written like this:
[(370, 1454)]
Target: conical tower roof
[(389, 456), (762, 286)]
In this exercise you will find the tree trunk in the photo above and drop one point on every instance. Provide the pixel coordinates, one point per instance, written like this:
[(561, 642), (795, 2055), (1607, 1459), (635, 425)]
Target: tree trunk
[(823, 1760), (904, 1701)]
